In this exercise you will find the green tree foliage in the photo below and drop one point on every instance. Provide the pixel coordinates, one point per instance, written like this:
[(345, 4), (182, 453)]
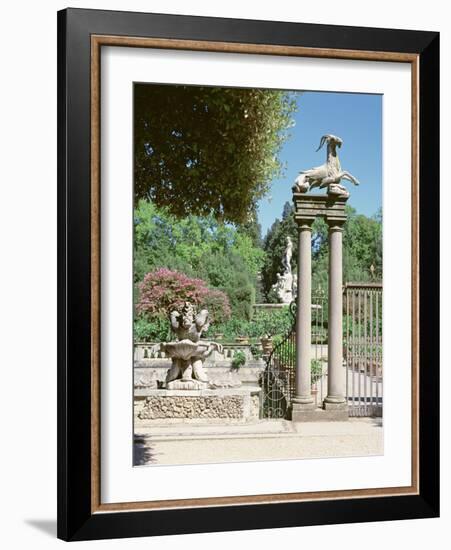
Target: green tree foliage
[(252, 228), (362, 247), (207, 150), (155, 329), (263, 323), (222, 255)]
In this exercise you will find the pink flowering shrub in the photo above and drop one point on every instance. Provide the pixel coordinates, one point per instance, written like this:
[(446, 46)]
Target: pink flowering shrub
[(163, 290)]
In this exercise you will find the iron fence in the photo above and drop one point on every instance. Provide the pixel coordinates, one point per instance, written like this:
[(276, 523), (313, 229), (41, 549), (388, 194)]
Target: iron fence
[(362, 348)]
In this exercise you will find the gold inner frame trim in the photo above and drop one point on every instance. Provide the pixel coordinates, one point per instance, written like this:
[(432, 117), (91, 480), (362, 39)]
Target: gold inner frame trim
[(97, 41)]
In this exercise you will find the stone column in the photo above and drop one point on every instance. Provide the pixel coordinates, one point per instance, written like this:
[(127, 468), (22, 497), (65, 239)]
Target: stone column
[(336, 390), (303, 400)]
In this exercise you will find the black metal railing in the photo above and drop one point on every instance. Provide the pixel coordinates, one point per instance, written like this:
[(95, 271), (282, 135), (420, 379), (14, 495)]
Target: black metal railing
[(278, 379)]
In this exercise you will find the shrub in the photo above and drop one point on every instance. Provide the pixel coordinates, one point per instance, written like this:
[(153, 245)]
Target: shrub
[(265, 323), (271, 323), (231, 329), (238, 360), (151, 330), (163, 290), (257, 352)]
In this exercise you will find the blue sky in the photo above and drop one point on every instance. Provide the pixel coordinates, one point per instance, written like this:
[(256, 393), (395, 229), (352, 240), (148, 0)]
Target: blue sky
[(357, 119)]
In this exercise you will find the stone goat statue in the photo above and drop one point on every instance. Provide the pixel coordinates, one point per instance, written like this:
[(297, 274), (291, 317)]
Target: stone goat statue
[(328, 174)]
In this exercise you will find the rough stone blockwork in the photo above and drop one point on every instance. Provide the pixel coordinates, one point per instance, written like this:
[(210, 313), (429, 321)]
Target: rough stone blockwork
[(192, 407)]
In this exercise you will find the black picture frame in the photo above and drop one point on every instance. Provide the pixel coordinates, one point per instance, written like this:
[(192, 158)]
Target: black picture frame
[(76, 518)]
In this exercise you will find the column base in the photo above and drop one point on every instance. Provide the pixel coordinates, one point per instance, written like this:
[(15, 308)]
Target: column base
[(314, 414), (337, 409), (301, 411), (335, 403), (305, 401)]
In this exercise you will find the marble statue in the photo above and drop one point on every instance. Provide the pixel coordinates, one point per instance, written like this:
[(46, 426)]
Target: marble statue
[(188, 352), (285, 281), (286, 261), (328, 174)]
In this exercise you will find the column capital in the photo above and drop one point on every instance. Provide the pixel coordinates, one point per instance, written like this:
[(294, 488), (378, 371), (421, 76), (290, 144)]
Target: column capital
[(335, 225), (304, 224)]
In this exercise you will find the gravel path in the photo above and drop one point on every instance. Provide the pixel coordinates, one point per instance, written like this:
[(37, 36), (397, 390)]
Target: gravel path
[(268, 440)]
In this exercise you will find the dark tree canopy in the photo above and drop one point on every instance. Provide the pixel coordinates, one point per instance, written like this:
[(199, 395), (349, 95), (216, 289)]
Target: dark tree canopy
[(202, 151)]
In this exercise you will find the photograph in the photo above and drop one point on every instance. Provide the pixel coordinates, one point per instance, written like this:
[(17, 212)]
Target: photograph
[(257, 274), (248, 301), (224, 321)]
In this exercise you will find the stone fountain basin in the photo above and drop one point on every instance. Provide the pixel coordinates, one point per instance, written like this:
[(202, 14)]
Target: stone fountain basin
[(185, 349)]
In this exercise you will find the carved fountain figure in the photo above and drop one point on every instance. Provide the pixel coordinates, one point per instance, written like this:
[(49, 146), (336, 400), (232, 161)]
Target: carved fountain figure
[(188, 351), (328, 174)]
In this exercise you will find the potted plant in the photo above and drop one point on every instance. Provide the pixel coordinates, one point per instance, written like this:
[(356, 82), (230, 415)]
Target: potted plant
[(267, 344), (316, 370)]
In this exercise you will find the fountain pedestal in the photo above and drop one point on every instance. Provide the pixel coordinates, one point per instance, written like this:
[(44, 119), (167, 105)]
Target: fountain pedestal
[(186, 385)]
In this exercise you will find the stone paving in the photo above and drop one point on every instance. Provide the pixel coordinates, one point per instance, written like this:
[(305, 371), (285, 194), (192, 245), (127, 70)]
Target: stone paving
[(263, 440)]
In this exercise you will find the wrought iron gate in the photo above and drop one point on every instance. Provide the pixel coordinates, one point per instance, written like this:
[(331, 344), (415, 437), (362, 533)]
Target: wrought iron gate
[(278, 379), (362, 349)]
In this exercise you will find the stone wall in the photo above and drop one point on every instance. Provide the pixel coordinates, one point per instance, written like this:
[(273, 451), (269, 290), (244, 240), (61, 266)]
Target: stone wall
[(202, 406)]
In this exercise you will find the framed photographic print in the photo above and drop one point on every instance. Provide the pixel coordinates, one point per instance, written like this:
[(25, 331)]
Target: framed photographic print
[(248, 274)]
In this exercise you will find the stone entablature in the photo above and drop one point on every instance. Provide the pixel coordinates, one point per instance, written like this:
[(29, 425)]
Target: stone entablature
[(309, 207)]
